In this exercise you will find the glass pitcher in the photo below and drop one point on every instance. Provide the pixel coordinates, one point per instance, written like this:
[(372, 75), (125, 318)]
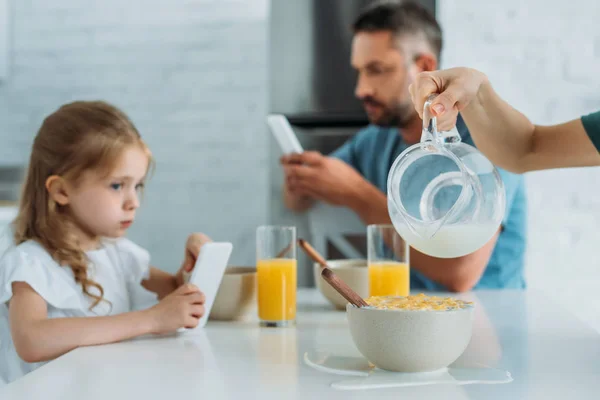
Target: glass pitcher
[(445, 198)]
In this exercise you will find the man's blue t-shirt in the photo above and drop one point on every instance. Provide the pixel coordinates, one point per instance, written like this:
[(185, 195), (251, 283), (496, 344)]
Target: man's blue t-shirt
[(372, 152)]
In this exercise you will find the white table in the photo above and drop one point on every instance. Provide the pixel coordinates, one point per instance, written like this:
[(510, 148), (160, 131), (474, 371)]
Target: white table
[(550, 354)]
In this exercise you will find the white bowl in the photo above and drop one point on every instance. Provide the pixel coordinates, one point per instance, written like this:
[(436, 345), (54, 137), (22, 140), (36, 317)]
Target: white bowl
[(410, 341), (236, 297), (353, 272)]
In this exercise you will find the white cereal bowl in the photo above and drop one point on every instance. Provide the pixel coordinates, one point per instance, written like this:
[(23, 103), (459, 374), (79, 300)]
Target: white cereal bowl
[(410, 340), (353, 272), (236, 297)]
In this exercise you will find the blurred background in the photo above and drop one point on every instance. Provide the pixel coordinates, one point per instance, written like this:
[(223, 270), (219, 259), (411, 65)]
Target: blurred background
[(197, 77)]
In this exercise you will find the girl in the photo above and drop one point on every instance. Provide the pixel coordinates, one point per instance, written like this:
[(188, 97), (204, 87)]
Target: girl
[(73, 279)]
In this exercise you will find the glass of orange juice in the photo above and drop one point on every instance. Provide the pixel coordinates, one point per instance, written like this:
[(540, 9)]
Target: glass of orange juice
[(276, 268), (388, 260)]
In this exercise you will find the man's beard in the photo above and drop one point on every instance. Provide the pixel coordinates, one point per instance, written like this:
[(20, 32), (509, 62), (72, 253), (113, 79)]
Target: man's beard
[(399, 115)]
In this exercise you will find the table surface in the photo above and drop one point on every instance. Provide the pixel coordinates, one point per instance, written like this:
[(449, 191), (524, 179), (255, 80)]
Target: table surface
[(548, 352)]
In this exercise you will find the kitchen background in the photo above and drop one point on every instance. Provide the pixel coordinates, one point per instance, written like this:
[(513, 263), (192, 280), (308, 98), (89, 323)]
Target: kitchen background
[(193, 75)]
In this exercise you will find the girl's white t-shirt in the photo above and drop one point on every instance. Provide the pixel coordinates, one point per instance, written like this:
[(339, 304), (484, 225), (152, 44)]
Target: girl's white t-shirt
[(119, 266)]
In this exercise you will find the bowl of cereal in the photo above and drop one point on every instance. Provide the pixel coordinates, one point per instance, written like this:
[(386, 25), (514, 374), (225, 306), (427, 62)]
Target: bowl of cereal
[(411, 334)]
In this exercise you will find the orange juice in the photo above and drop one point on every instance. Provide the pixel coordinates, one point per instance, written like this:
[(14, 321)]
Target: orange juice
[(389, 278), (276, 289)]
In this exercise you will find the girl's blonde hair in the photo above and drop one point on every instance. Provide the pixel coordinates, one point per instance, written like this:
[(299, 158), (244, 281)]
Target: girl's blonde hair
[(78, 137)]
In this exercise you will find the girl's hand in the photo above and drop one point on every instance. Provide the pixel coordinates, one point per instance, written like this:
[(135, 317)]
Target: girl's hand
[(181, 309), (192, 250)]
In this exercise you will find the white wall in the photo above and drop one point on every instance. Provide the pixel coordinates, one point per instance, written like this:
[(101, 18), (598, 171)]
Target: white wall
[(4, 39), (543, 57), (192, 76)]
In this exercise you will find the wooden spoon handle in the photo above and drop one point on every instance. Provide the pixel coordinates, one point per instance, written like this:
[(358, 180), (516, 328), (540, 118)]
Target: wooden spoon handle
[(312, 253), (342, 288), (331, 278)]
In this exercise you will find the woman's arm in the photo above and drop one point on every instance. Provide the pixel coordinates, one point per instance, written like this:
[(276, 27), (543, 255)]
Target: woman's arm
[(503, 134), (512, 142)]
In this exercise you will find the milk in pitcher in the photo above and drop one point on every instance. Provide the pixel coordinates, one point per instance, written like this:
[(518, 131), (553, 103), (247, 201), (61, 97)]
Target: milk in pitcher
[(450, 241)]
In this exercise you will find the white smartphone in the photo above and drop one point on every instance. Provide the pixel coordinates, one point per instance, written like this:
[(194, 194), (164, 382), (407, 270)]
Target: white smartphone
[(283, 132), (208, 273)]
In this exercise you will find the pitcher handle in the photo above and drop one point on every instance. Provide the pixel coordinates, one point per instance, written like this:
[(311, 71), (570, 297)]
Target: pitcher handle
[(430, 131)]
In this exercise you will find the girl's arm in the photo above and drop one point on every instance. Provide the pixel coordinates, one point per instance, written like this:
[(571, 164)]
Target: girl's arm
[(162, 283), (38, 338)]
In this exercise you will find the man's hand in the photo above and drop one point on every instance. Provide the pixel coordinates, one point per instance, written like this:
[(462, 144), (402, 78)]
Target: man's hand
[(293, 201), (328, 179)]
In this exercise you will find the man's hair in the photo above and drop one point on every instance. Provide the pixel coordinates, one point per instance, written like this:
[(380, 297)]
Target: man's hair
[(401, 18)]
